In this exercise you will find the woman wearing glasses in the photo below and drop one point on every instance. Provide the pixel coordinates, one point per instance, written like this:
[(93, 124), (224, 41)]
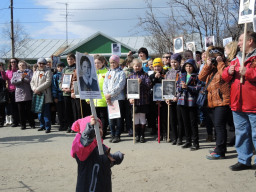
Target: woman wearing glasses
[(12, 117)]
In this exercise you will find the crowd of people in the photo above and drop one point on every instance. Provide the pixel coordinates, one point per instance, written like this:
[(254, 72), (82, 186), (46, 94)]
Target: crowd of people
[(26, 92)]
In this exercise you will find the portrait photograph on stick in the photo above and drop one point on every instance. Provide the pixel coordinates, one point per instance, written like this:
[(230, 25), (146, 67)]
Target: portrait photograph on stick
[(66, 81), (133, 91), (178, 45), (87, 78), (76, 90), (116, 49), (226, 41), (209, 41), (246, 11), (191, 46), (157, 92), (169, 89)]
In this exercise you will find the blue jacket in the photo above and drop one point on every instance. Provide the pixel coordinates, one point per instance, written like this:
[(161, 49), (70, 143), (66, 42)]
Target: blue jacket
[(56, 91)]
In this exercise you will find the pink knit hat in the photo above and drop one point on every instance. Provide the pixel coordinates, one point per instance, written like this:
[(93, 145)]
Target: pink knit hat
[(115, 58)]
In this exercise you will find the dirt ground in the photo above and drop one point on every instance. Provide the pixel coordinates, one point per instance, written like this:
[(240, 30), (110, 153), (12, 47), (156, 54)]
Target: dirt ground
[(33, 161)]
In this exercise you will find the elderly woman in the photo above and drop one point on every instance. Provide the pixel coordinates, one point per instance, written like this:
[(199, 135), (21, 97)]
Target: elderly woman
[(41, 85), (23, 94)]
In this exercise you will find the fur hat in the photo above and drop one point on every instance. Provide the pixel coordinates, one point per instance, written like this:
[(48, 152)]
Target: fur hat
[(157, 62)]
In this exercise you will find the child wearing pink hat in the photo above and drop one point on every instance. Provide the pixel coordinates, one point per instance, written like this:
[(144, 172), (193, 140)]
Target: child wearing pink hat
[(94, 173)]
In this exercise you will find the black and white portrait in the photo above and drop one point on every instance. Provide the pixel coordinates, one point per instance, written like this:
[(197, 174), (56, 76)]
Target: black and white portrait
[(116, 49), (169, 89), (246, 8), (87, 78), (76, 90), (246, 11), (178, 45), (209, 41), (66, 81), (133, 91), (157, 92), (191, 46), (88, 82)]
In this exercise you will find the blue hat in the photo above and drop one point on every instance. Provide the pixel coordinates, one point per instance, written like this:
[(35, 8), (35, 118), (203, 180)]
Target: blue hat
[(176, 57)]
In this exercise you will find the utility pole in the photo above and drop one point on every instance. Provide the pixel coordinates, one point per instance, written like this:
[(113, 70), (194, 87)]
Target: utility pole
[(12, 33), (66, 15)]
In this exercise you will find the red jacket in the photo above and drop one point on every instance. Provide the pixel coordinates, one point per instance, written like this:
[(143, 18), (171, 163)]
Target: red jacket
[(242, 96)]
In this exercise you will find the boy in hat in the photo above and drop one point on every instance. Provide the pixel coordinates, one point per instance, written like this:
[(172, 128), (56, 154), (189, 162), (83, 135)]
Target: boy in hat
[(157, 77)]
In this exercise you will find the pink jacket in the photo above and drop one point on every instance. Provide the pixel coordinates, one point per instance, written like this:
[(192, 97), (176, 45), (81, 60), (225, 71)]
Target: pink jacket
[(8, 76), (77, 148)]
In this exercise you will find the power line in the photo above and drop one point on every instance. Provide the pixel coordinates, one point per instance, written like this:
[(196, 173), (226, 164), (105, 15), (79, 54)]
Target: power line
[(93, 9), (85, 20)]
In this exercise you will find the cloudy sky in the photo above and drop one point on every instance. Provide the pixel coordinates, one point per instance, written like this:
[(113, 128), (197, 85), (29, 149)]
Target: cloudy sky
[(45, 19)]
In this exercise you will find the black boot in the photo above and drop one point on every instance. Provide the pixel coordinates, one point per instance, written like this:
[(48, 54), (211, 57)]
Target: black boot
[(137, 132), (142, 137)]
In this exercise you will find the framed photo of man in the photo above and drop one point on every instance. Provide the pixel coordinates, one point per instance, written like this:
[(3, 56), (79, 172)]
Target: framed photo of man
[(169, 89), (191, 46), (209, 41), (178, 45), (246, 11), (116, 49), (157, 92), (66, 81), (133, 89), (88, 84)]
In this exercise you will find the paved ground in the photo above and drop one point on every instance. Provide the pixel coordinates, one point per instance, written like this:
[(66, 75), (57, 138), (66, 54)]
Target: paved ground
[(33, 161)]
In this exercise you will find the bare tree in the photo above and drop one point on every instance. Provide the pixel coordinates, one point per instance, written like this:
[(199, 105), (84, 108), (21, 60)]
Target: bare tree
[(20, 37), (194, 20)]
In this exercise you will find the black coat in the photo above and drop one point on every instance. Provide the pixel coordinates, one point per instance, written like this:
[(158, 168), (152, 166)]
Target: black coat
[(94, 174)]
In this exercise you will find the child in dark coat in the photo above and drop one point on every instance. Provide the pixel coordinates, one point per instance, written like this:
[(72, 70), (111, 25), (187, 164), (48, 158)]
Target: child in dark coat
[(188, 87), (94, 173)]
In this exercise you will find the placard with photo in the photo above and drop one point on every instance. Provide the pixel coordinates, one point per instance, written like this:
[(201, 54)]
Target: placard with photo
[(246, 11), (169, 89), (116, 49), (209, 41), (87, 77), (226, 41), (191, 46), (157, 92), (178, 45), (114, 110), (133, 89), (66, 81), (76, 90)]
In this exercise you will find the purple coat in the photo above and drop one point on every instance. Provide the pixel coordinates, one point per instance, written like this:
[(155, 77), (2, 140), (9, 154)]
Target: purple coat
[(23, 90), (145, 86)]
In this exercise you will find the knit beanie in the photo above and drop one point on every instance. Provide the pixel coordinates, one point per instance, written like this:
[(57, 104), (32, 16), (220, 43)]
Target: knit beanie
[(176, 57), (115, 58), (157, 62)]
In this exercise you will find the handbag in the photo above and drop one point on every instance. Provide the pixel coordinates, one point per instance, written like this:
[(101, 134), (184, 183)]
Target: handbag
[(202, 96), (37, 103)]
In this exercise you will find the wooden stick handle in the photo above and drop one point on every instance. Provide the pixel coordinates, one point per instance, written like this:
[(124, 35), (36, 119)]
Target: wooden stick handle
[(243, 53), (133, 123), (168, 124), (96, 127)]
